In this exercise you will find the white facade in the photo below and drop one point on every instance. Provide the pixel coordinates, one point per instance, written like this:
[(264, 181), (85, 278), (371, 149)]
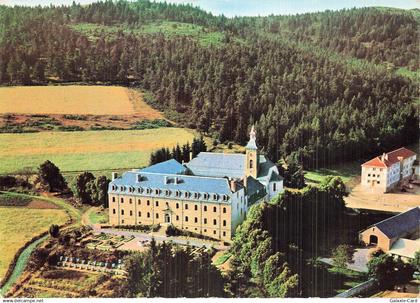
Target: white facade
[(385, 172), (407, 166), (375, 177), (239, 208), (274, 188)]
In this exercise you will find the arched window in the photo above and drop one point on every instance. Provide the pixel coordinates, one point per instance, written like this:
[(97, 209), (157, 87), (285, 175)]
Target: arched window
[(251, 163), (274, 187)]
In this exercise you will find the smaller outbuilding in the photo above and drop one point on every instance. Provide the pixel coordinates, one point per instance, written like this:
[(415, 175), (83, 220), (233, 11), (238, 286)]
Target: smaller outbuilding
[(387, 233)]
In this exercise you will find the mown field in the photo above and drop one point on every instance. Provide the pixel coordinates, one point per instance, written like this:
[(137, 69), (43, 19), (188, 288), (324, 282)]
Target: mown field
[(72, 99), (90, 150), (20, 224)]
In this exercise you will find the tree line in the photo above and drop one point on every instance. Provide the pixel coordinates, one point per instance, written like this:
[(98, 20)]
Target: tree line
[(182, 154)]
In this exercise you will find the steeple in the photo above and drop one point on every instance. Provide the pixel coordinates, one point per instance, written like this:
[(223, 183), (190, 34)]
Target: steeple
[(251, 165)]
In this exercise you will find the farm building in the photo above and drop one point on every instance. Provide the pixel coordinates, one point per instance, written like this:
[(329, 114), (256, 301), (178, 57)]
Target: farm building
[(398, 235), (210, 195), (383, 173)]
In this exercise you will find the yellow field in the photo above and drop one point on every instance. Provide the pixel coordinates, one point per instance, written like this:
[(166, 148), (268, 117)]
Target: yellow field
[(18, 225), (87, 150), (74, 99)]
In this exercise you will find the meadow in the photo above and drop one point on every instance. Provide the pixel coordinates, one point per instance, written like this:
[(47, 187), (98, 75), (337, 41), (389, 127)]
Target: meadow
[(199, 33), (91, 150), (73, 100), (15, 230)]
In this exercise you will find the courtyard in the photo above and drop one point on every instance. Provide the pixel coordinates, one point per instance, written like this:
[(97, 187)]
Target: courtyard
[(395, 202)]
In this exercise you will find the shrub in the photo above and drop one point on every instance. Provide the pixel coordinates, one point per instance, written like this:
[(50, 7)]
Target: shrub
[(172, 231), (51, 176), (147, 124), (7, 182), (54, 230), (342, 255), (75, 117)]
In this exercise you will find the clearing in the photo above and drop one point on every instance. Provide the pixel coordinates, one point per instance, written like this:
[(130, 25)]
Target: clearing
[(92, 150), (19, 225), (346, 171), (204, 36)]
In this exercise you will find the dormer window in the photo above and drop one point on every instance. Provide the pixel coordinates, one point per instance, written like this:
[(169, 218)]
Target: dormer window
[(206, 196), (157, 191), (196, 195), (215, 196), (148, 190), (225, 198), (122, 188), (177, 193), (168, 192), (139, 190), (187, 194)]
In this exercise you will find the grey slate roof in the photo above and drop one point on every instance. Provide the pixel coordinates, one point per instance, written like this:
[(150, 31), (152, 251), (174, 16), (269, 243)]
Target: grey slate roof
[(226, 165), (398, 225), (128, 184), (218, 165), (167, 167), (255, 190)]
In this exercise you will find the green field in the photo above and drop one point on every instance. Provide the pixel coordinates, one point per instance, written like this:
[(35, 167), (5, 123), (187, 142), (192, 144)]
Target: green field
[(346, 171), (18, 225), (169, 28), (93, 150), (96, 216)]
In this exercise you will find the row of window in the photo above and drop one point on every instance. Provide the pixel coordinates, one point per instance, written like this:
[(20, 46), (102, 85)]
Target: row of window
[(177, 205), (177, 217), (375, 169), (167, 192), (373, 181), (373, 175)]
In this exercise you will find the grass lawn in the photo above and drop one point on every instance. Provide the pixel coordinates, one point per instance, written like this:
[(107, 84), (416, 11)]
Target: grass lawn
[(351, 277), (90, 150), (346, 171), (18, 225)]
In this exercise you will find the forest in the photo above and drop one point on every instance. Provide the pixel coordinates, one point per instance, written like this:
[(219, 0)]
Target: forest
[(294, 77)]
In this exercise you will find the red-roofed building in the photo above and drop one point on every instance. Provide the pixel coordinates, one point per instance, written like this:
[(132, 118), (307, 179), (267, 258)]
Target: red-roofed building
[(384, 172)]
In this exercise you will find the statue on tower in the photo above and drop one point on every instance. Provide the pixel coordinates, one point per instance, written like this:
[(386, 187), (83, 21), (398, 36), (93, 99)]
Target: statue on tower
[(252, 158)]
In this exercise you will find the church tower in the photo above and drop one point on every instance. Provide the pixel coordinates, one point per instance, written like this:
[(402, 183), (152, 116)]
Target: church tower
[(251, 165)]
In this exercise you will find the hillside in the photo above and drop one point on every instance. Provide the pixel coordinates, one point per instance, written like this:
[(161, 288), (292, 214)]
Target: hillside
[(324, 87), (379, 35)]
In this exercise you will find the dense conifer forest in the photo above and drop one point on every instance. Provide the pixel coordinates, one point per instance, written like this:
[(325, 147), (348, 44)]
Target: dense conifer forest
[(322, 88)]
